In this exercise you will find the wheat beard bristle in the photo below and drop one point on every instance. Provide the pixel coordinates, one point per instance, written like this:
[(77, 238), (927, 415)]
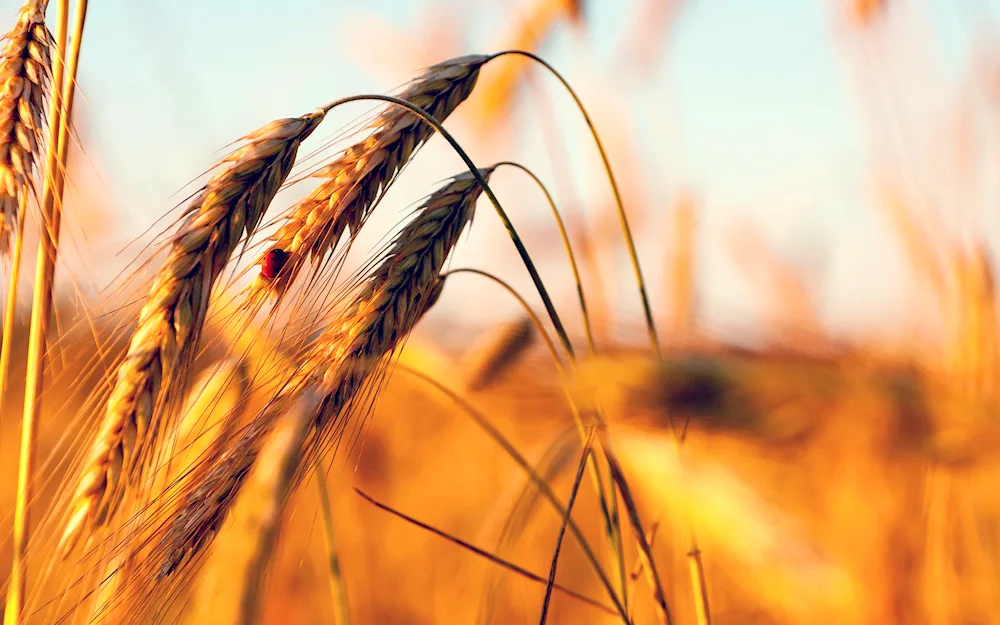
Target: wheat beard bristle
[(154, 369), (354, 182), (25, 67), (340, 362)]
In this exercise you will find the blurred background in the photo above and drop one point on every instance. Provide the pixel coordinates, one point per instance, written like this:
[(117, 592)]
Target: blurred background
[(789, 119)]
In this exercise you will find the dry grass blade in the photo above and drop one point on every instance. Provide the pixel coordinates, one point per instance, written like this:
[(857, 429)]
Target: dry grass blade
[(25, 73), (153, 373), (485, 554), (354, 182), (340, 362)]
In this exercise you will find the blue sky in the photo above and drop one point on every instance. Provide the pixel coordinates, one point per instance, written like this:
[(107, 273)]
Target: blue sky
[(752, 106)]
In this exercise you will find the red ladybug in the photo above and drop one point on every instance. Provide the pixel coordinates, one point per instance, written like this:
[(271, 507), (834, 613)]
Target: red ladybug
[(273, 262)]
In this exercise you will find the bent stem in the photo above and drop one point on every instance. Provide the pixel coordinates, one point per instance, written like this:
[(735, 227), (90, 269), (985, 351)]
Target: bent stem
[(700, 594), (622, 218), (564, 234), (612, 526)]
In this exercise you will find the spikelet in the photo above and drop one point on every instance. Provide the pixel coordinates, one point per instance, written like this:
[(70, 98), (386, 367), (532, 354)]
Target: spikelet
[(154, 370), (339, 363), (25, 67), (353, 183)]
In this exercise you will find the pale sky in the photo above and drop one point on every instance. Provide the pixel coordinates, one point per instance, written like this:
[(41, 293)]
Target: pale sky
[(755, 105)]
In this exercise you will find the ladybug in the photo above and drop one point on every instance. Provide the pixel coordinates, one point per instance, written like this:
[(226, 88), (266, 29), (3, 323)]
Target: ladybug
[(273, 262)]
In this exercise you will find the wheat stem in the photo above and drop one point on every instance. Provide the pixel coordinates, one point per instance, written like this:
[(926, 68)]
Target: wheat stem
[(612, 526), (564, 234), (42, 304), (338, 594), (10, 312), (577, 480)]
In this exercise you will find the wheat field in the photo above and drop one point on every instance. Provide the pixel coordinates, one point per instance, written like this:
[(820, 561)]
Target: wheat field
[(322, 389)]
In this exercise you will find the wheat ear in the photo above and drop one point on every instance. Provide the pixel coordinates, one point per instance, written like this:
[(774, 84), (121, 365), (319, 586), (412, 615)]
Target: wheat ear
[(353, 183), (25, 73), (230, 590), (153, 372), (370, 327)]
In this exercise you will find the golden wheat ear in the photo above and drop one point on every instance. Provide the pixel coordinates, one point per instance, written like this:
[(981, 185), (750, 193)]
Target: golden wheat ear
[(154, 372), (353, 183), (230, 590), (25, 73), (339, 366)]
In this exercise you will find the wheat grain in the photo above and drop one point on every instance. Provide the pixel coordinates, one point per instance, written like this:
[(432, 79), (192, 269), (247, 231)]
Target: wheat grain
[(340, 361), (354, 182), (170, 322), (25, 68)]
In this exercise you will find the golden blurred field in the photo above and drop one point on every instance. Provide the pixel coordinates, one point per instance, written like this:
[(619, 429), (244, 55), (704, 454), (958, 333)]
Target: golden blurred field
[(795, 473)]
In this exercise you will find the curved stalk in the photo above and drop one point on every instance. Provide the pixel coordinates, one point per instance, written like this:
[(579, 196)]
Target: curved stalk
[(569, 249), (622, 218)]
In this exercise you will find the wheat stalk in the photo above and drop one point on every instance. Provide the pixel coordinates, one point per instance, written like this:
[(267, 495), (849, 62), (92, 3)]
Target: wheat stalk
[(339, 363), (153, 372), (353, 183), (25, 71), (50, 205)]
